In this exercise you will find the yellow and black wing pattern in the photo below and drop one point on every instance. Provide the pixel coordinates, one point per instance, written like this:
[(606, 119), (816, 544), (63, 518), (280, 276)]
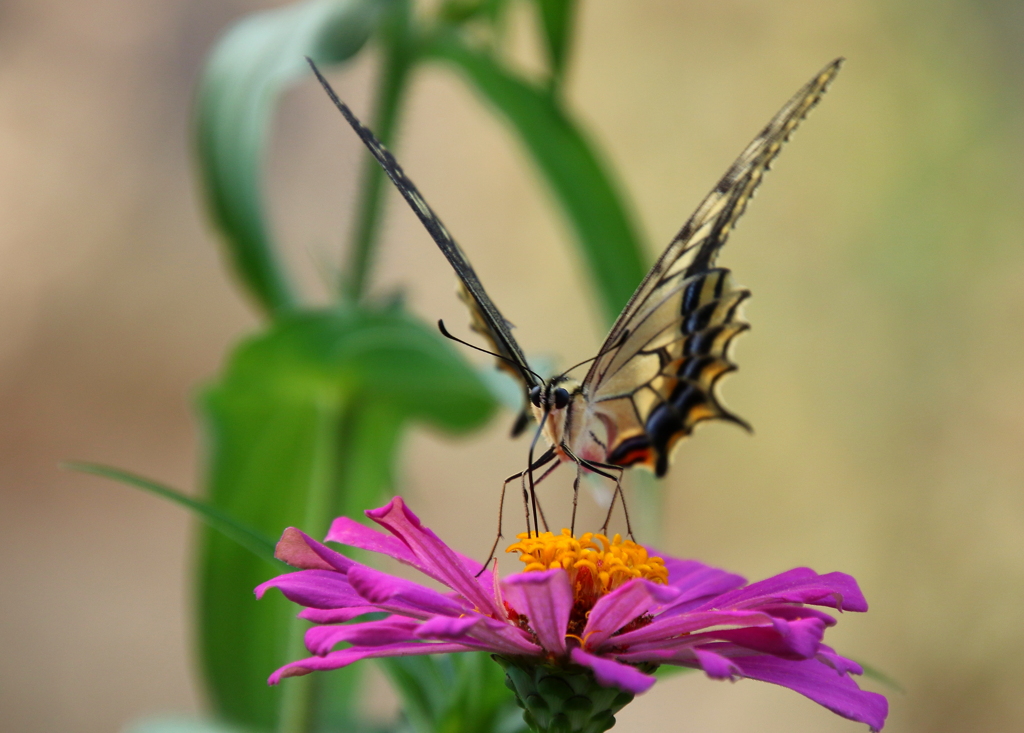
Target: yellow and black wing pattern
[(659, 368)]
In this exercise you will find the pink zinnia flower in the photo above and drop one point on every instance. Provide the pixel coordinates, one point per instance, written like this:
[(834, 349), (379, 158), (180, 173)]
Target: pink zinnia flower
[(610, 609)]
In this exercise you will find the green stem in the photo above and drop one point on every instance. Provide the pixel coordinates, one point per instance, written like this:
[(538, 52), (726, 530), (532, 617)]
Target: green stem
[(398, 56), (299, 701)]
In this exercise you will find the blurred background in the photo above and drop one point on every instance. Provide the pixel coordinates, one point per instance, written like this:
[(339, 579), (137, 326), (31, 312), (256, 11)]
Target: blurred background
[(882, 374)]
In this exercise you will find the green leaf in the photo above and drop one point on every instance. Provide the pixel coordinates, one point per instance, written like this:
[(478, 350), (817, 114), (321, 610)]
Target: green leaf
[(258, 544), (178, 725), (556, 18), (247, 70), (585, 190), (454, 693), (875, 674), (670, 670), (302, 426)]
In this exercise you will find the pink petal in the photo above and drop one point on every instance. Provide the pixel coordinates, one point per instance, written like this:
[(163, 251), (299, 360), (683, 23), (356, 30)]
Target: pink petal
[(842, 665), (715, 665), (545, 598), (321, 639), (696, 580), (435, 558), (398, 595), (610, 673), (613, 611), (301, 551), (335, 615), (788, 639), (448, 629), (347, 531), (794, 612), (663, 629), (488, 633), (314, 588), (345, 657), (799, 585), (820, 683)]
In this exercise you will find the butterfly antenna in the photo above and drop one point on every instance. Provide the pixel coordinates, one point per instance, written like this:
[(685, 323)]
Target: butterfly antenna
[(444, 332), (617, 344)]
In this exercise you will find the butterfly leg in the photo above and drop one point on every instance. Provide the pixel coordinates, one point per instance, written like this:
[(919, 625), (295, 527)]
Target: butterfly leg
[(531, 494), (542, 461), (592, 466), (575, 498), (625, 508), (596, 467), (548, 455)]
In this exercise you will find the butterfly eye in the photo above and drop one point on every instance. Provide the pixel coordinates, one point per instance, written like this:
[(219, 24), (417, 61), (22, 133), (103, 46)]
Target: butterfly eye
[(535, 396), (561, 398)]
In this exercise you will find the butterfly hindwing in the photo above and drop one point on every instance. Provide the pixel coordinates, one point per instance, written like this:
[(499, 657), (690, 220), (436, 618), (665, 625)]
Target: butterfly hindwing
[(662, 361)]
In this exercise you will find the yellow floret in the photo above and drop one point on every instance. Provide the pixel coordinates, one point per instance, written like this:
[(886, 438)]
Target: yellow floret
[(596, 565)]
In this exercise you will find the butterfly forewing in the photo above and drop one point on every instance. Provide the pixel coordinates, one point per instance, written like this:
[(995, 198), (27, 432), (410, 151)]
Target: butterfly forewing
[(670, 346), (482, 308)]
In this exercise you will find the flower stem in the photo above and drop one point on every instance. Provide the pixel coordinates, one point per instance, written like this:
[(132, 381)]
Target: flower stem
[(298, 699), (297, 696), (398, 55)]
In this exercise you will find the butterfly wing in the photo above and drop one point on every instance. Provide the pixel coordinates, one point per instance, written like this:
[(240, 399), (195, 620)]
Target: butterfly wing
[(486, 318), (506, 362), (657, 372)]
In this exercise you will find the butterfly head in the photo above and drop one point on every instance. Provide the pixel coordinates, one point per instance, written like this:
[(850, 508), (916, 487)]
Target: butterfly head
[(552, 396)]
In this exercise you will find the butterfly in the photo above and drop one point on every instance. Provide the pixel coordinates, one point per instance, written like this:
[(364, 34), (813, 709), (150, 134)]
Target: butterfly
[(657, 374)]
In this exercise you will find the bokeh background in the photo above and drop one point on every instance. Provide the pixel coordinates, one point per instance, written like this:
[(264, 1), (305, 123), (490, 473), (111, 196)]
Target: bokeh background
[(883, 374)]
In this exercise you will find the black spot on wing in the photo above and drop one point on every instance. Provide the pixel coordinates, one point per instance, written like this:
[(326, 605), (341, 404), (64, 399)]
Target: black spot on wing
[(670, 418), (691, 369), (698, 320), (691, 296)]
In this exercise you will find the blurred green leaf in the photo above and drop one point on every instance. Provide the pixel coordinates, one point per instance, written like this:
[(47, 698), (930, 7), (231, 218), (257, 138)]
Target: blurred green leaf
[(604, 229), (258, 544), (246, 71), (179, 725), (671, 670), (556, 17), (457, 12), (878, 676), (302, 426), (454, 693)]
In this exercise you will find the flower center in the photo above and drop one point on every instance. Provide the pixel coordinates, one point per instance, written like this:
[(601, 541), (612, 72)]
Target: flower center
[(595, 564)]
